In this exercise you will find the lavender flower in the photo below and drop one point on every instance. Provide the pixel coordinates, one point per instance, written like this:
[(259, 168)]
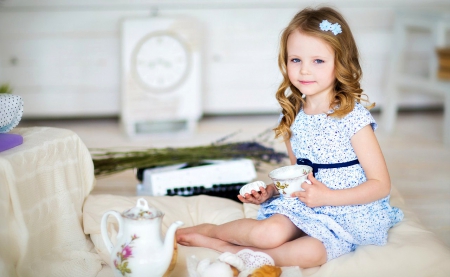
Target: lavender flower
[(108, 162)]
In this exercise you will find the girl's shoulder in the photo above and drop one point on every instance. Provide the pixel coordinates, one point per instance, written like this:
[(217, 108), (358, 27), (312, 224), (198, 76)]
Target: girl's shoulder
[(358, 118), (359, 111)]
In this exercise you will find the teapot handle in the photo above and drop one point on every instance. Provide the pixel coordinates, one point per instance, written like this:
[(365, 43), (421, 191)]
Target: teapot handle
[(104, 230)]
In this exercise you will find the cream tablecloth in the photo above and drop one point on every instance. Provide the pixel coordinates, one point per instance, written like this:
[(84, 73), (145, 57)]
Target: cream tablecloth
[(43, 185)]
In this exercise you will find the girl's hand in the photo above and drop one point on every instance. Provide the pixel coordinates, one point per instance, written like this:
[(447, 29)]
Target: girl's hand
[(258, 197), (315, 195)]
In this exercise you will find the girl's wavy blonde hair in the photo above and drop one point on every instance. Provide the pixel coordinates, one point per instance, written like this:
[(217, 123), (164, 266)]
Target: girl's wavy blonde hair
[(347, 69)]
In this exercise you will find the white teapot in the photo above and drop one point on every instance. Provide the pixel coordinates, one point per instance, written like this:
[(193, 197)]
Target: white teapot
[(140, 249)]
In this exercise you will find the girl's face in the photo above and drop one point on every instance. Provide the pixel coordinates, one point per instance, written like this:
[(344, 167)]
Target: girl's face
[(310, 64)]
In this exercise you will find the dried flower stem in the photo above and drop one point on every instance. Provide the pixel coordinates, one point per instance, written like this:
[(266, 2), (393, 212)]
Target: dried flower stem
[(109, 162)]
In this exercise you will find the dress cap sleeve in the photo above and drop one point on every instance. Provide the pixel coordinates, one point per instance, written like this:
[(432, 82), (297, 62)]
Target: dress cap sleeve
[(357, 119)]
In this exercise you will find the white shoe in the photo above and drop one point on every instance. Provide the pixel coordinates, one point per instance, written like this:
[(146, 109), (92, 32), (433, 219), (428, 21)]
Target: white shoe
[(253, 260)]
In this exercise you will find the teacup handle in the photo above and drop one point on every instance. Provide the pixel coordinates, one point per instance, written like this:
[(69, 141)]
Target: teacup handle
[(104, 225), (308, 181)]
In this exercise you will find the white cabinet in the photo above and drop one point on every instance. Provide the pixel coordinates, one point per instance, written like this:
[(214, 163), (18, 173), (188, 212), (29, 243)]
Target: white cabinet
[(161, 69)]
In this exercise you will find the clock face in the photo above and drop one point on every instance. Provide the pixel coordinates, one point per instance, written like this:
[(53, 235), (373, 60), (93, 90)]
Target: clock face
[(160, 62)]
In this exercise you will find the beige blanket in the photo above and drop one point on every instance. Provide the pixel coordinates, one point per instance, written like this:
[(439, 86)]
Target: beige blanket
[(411, 249), (43, 185)]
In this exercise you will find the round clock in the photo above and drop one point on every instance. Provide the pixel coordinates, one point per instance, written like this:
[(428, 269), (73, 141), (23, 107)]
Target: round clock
[(160, 61)]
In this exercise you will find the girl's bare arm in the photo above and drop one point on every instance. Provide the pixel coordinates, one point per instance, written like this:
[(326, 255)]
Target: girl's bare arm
[(291, 155), (378, 184)]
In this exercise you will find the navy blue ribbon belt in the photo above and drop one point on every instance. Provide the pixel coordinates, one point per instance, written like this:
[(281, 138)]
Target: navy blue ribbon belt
[(317, 166)]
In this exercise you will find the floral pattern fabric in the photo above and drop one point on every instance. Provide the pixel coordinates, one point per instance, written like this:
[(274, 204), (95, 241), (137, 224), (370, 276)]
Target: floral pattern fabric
[(325, 140), (11, 110)]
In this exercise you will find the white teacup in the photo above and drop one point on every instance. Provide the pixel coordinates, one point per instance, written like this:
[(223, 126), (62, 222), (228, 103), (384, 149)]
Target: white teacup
[(288, 179)]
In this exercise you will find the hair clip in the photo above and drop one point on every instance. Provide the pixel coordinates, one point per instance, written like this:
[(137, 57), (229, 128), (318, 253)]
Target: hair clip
[(327, 26)]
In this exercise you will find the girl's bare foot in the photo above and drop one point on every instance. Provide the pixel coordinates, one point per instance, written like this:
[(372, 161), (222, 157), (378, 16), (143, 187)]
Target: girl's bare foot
[(193, 239), (203, 229), (199, 240)]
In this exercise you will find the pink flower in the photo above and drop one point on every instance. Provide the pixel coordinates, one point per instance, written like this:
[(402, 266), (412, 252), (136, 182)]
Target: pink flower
[(126, 252)]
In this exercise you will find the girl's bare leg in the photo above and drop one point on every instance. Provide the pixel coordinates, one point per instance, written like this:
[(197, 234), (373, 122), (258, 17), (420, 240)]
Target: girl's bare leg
[(268, 233), (304, 252)]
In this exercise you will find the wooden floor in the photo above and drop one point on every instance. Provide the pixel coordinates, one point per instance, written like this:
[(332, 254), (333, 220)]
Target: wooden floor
[(418, 162)]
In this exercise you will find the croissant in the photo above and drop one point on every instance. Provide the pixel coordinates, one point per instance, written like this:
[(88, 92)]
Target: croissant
[(266, 271)]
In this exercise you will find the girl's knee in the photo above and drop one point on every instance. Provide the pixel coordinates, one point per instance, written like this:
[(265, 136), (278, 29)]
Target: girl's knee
[(316, 256), (316, 259), (270, 235)]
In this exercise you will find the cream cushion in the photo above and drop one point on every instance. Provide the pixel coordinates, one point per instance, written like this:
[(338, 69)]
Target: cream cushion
[(411, 249)]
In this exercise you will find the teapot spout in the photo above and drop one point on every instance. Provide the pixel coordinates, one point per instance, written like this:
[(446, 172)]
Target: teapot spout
[(169, 240)]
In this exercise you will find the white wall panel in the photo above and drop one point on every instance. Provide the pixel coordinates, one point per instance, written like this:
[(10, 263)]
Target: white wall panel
[(63, 56)]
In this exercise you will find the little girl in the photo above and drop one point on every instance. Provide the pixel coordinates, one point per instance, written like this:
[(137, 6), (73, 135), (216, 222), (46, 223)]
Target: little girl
[(325, 126)]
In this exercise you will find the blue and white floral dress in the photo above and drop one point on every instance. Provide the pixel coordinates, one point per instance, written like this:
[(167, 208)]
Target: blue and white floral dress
[(326, 140)]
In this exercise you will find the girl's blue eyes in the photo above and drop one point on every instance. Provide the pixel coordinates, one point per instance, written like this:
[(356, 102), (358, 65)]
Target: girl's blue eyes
[(318, 61)]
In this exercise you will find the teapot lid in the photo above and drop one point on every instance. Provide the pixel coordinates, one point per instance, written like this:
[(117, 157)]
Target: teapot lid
[(142, 211)]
